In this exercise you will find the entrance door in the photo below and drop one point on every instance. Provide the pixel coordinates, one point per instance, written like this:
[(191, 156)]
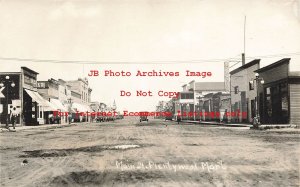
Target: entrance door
[(244, 105)]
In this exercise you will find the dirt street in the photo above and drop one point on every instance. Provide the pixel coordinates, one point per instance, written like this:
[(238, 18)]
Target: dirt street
[(157, 153)]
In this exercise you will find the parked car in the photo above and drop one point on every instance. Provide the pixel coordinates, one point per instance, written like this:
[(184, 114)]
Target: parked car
[(99, 119), (169, 118), (120, 116), (144, 118)]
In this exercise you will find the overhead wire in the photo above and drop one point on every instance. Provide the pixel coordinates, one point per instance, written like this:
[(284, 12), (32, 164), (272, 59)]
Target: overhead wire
[(237, 60)]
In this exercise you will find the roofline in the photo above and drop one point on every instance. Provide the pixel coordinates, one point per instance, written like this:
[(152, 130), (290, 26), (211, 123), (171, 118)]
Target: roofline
[(26, 68), (8, 73), (192, 81), (186, 92), (249, 64), (62, 80), (273, 65)]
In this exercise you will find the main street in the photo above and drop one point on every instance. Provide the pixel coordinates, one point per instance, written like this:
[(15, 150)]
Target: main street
[(154, 153)]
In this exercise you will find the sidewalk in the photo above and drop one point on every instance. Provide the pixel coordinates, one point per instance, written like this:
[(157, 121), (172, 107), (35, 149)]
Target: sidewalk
[(26, 127), (277, 126), (214, 123), (261, 127)]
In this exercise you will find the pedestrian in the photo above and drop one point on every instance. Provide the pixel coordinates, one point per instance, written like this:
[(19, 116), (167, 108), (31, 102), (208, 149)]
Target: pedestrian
[(70, 118), (13, 118), (178, 119)]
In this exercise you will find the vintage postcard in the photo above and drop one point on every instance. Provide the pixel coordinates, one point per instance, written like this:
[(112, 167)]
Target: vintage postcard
[(149, 93)]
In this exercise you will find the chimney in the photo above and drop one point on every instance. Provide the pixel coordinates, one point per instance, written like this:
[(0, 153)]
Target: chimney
[(243, 59)]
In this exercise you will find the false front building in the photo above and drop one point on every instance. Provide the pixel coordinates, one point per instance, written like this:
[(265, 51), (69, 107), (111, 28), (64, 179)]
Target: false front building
[(243, 94), (279, 96)]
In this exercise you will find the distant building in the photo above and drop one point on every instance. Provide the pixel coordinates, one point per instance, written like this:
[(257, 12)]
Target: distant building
[(81, 87), (95, 106), (213, 106), (64, 91), (75, 96), (57, 93), (103, 106), (80, 96), (48, 89), (189, 99)]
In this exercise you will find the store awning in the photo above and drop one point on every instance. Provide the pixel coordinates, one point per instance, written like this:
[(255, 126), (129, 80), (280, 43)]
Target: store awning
[(40, 100), (88, 108), (35, 98), (79, 107), (59, 105), (49, 107)]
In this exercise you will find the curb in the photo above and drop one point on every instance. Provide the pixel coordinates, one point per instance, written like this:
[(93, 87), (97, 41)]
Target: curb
[(217, 124), (279, 126), (49, 126)]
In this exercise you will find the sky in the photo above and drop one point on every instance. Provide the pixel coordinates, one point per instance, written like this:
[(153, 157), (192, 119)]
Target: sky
[(168, 35)]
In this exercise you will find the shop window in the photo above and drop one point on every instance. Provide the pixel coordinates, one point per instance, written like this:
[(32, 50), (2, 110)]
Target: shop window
[(236, 90), (236, 106), (33, 107), (251, 85), (187, 96), (268, 90), (182, 96), (253, 108), (269, 106), (268, 102), (284, 102)]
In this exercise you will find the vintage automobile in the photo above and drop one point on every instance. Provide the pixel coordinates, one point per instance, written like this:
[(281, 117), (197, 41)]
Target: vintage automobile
[(105, 118), (143, 116), (169, 117), (99, 119)]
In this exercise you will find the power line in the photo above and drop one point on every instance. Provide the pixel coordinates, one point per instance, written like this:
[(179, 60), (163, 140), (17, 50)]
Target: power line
[(113, 62), (275, 55), (141, 62), (234, 64)]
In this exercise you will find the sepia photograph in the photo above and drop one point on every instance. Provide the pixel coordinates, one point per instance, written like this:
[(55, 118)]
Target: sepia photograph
[(150, 93)]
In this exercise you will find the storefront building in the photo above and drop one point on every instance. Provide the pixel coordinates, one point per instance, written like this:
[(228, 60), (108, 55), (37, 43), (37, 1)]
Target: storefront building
[(243, 94), (34, 105), (22, 98), (11, 99), (279, 96), (50, 91)]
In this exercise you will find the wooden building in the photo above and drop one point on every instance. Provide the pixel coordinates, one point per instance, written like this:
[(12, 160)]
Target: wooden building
[(279, 96)]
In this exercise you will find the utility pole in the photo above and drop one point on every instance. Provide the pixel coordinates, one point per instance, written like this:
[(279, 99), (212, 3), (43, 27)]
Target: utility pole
[(244, 53), (70, 110), (245, 35)]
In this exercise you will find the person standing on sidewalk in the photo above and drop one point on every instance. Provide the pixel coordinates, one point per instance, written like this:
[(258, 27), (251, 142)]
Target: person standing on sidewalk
[(13, 118), (70, 118)]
